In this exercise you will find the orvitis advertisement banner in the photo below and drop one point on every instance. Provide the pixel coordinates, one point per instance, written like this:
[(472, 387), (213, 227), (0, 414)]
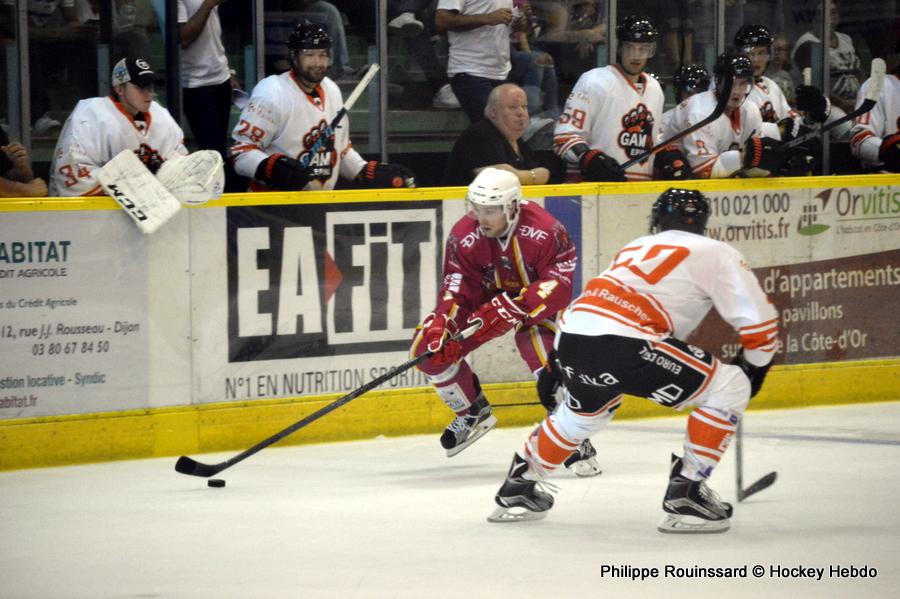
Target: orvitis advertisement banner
[(829, 259)]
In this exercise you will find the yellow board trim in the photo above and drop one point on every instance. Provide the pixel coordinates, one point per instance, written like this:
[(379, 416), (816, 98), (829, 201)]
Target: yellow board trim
[(234, 426), (440, 193)]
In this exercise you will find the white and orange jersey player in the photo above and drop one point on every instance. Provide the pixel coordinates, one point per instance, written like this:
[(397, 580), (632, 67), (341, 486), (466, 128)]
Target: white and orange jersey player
[(876, 134), (613, 112), (734, 141), (625, 335), (283, 140), (756, 42), (99, 128)]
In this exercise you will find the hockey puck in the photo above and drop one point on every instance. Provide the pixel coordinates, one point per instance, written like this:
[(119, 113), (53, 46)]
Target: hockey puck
[(215, 482)]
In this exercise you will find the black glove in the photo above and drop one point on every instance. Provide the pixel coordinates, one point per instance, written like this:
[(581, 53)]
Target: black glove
[(790, 128), (813, 103), (766, 154), (282, 172), (890, 153), (381, 175), (670, 165), (597, 166), (548, 382), (756, 374)]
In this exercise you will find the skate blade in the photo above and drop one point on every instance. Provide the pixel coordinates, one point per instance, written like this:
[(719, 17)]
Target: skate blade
[(586, 468), (481, 430), (514, 514), (678, 524)]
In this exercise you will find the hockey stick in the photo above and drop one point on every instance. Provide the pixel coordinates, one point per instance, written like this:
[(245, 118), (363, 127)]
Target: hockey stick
[(186, 465), (877, 75), (716, 113), (764, 483), (329, 130)]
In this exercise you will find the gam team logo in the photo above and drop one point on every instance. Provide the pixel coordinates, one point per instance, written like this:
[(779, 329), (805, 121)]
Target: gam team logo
[(637, 131)]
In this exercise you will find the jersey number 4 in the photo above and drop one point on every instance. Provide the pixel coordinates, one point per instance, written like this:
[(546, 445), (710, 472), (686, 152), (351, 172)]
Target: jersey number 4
[(656, 262)]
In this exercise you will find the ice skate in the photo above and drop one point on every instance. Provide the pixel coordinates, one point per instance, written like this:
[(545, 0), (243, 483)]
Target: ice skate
[(691, 506), (584, 461), (521, 499), (466, 429)]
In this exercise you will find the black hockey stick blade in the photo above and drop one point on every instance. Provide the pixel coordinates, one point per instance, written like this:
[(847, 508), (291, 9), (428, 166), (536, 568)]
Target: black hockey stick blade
[(191, 467), (876, 74), (763, 483), (716, 113)]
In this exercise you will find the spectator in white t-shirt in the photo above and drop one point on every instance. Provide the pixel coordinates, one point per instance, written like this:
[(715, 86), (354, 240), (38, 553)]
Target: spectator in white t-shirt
[(205, 75), (478, 32)]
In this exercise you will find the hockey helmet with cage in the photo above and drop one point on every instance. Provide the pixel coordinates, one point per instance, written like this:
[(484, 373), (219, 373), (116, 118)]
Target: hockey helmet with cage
[(691, 79), (308, 36), (752, 36), (681, 209), (495, 190)]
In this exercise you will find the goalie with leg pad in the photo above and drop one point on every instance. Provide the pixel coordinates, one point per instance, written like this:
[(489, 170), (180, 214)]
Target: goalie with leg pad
[(508, 265), (623, 335)]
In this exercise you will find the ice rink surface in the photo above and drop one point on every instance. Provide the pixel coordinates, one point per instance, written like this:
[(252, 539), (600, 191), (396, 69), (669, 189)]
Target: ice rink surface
[(396, 518)]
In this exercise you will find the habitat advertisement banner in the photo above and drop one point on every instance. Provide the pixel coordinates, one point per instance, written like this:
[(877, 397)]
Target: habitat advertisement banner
[(73, 314)]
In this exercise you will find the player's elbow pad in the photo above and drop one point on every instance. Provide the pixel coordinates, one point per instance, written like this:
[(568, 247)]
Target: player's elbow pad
[(283, 173)]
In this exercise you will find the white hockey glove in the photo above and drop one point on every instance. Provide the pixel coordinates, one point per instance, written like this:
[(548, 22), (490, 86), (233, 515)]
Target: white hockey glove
[(194, 179)]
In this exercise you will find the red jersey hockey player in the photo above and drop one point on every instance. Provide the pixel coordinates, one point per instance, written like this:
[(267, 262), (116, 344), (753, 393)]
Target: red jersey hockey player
[(613, 115), (624, 335), (508, 264), (276, 139)]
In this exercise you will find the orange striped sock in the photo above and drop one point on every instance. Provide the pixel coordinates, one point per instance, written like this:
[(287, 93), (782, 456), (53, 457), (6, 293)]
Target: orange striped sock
[(547, 448), (708, 436)]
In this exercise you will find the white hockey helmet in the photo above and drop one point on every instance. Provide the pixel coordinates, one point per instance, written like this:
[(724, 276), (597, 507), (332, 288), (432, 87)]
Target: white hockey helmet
[(495, 189)]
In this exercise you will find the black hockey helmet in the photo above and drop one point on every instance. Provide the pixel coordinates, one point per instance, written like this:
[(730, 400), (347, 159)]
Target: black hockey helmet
[(733, 63), (681, 209), (752, 36), (635, 28), (691, 78), (308, 36)]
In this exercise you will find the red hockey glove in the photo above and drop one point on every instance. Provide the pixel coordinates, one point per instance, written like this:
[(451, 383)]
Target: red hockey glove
[(890, 153), (756, 374), (765, 153), (380, 175), (597, 166), (497, 317), (438, 330)]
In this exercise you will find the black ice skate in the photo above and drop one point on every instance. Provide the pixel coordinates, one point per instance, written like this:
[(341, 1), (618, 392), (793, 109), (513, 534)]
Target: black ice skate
[(519, 498), (466, 429), (584, 461), (691, 506)]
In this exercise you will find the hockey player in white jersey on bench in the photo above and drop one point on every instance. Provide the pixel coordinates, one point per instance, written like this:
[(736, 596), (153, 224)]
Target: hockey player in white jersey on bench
[(625, 333), (283, 140)]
